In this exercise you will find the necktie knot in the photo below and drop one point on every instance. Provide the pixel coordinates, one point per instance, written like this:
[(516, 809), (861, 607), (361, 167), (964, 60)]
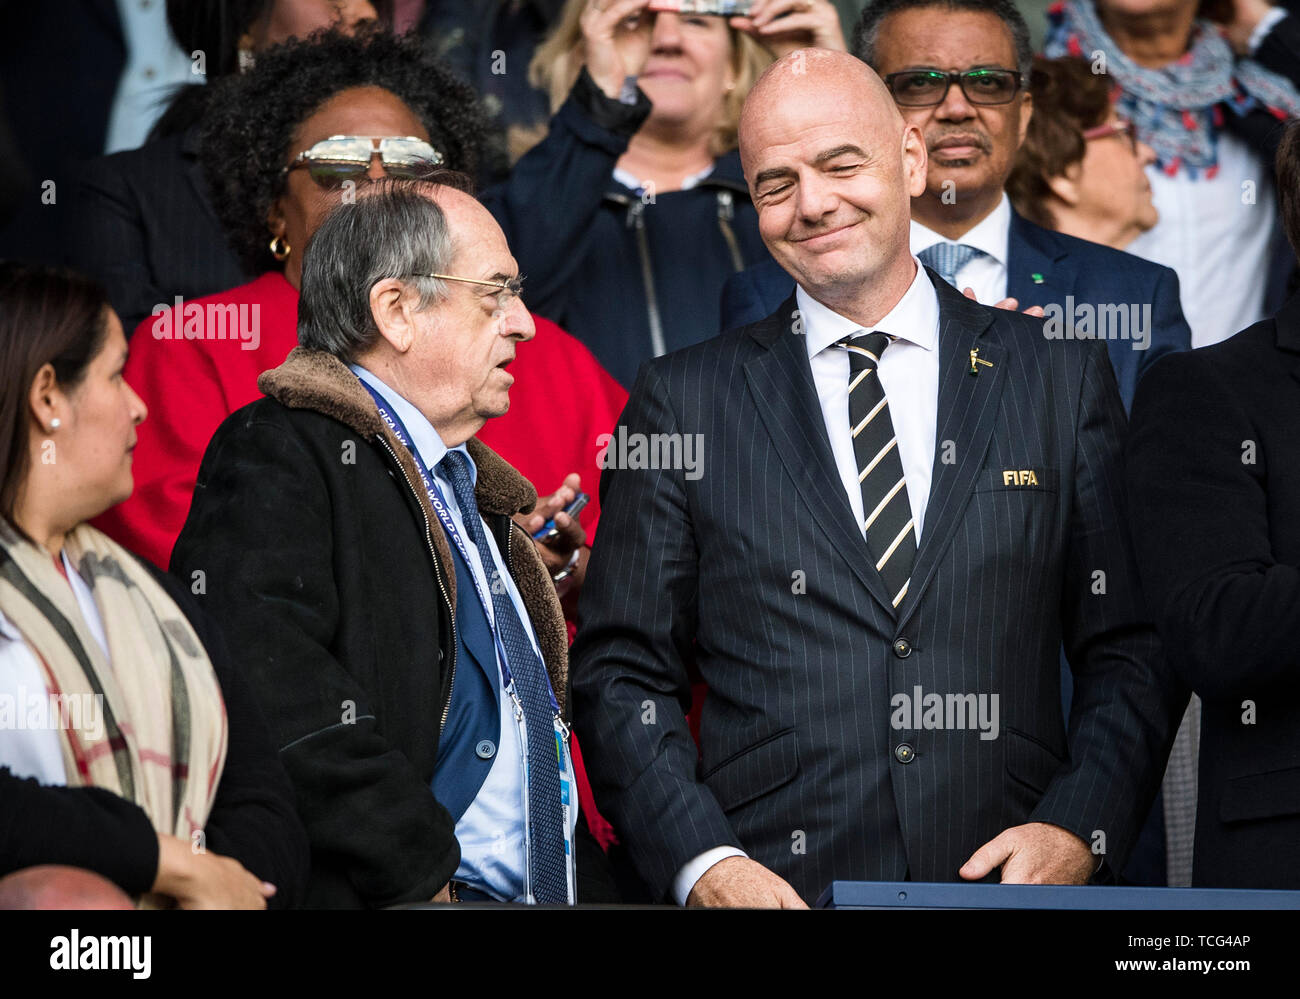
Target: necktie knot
[(949, 258), (865, 350), (455, 468)]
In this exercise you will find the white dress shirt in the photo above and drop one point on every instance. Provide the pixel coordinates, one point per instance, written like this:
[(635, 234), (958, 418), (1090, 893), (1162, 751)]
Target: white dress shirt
[(24, 697), (986, 274), (491, 833), (1219, 245), (909, 373)]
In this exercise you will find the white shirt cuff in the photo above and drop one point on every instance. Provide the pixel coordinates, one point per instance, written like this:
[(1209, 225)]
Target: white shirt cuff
[(1264, 27), (695, 869)]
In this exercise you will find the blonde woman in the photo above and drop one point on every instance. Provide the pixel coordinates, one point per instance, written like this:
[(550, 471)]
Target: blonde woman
[(632, 212)]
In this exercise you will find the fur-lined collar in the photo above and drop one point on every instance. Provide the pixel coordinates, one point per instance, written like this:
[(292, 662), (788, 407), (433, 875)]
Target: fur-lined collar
[(313, 379)]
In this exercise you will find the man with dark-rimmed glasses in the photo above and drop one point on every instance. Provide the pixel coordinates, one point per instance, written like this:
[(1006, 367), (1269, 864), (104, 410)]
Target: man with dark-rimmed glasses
[(959, 71)]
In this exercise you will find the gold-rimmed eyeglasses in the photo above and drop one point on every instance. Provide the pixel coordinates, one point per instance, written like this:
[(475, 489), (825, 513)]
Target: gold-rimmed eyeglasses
[(507, 291)]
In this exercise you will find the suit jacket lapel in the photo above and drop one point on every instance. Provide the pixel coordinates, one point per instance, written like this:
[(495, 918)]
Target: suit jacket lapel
[(1034, 273), (780, 381), (967, 415)]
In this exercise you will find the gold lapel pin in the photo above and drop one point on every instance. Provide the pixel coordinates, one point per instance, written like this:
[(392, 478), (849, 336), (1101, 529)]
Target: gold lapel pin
[(976, 359)]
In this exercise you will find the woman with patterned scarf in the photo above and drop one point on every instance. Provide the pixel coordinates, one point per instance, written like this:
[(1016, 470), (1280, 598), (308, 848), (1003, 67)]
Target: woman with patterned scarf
[(133, 764), (1210, 99)]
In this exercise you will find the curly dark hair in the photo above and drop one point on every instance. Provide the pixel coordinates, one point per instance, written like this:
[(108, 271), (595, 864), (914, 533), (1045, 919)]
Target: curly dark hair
[(251, 117)]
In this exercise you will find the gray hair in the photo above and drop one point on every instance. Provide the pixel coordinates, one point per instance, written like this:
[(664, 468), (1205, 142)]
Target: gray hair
[(868, 26), (392, 230)]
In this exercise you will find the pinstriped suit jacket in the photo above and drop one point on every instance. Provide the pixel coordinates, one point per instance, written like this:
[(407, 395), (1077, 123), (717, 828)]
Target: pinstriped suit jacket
[(753, 568)]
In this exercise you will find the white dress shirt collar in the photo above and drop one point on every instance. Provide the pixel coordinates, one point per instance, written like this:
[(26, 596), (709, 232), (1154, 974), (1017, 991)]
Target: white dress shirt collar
[(915, 318), (991, 234), (428, 444)]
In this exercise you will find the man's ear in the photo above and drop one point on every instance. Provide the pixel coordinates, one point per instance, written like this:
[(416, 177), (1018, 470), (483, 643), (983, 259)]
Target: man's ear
[(393, 310), (915, 160), (1026, 113), (46, 399), (1065, 186)]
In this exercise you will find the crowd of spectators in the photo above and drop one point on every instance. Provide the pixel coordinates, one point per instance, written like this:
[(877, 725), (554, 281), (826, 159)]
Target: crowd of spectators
[(162, 176)]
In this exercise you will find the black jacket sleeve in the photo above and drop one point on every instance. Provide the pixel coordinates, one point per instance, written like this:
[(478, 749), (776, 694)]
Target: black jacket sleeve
[(547, 206), (85, 827), (253, 819)]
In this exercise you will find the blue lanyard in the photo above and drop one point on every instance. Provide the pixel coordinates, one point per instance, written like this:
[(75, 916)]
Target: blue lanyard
[(439, 505)]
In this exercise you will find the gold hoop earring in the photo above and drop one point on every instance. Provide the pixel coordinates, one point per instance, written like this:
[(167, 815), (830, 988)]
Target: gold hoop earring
[(281, 254)]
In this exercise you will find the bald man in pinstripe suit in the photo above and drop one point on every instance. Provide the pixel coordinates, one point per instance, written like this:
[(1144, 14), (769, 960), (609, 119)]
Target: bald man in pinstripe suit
[(900, 504)]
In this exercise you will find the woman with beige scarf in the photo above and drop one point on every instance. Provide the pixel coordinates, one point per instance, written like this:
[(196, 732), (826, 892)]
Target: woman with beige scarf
[(133, 762)]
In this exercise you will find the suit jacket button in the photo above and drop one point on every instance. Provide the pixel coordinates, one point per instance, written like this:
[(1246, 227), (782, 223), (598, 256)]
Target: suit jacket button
[(902, 648), (904, 753), (485, 749)]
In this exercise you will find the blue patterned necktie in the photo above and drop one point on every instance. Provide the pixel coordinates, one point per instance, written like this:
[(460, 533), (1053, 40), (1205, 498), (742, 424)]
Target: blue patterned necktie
[(546, 860), (948, 259)]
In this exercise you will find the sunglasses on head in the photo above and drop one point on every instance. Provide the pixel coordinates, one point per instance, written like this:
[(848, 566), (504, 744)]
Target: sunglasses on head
[(341, 158)]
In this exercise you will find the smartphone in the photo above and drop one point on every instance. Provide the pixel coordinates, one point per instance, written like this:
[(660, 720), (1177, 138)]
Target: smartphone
[(549, 530), (715, 8)]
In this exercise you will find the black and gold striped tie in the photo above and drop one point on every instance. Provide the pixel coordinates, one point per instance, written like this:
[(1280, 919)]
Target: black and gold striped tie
[(886, 510)]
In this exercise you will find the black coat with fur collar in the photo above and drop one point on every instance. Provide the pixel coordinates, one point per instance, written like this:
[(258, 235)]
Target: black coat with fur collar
[(316, 548)]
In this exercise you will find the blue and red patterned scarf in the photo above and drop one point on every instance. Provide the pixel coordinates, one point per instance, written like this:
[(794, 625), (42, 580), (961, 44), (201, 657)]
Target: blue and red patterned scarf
[(1178, 109)]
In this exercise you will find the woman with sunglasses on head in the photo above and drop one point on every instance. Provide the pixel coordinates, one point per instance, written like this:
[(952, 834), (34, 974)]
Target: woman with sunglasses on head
[(1080, 169), (633, 211), (138, 758)]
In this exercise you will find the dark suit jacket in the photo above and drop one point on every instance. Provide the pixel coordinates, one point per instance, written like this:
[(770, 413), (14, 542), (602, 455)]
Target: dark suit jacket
[(753, 567), (1216, 488), (1043, 267), (144, 226)]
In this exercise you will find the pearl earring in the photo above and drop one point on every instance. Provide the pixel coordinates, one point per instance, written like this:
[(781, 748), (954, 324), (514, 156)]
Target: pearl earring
[(55, 424)]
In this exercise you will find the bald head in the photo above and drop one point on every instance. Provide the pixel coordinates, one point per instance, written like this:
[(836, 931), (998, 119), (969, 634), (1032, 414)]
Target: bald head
[(832, 168), (809, 79)]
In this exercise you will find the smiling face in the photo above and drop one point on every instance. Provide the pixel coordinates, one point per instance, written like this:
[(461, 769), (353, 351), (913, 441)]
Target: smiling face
[(300, 210), (832, 171), (688, 69), (93, 445), (464, 344), (971, 147)]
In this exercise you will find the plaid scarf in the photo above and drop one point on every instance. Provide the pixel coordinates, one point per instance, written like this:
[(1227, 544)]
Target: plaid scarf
[(162, 741), (1177, 109)]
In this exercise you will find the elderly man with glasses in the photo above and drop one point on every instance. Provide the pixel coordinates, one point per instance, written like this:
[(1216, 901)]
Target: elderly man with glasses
[(958, 70), (356, 539)]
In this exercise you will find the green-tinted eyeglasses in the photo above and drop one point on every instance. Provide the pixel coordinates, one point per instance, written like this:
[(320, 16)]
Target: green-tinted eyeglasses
[(922, 88), (341, 158)]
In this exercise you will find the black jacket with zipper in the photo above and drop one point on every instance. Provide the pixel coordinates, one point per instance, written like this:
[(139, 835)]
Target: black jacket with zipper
[(323, 560), (631, 275)]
